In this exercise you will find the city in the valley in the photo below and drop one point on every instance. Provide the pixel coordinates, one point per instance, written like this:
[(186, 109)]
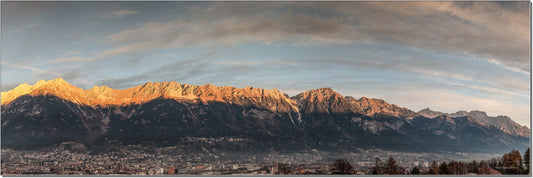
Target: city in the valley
[(131, 162)]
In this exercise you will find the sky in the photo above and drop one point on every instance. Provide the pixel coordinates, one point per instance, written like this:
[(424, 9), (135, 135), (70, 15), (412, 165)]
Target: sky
[(447, 56)]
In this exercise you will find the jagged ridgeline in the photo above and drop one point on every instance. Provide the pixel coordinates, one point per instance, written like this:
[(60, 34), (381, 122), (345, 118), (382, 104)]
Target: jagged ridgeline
[(211, 118)]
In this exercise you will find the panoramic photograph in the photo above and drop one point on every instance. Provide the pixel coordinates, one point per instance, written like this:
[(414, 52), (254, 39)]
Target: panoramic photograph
[(180, 88)]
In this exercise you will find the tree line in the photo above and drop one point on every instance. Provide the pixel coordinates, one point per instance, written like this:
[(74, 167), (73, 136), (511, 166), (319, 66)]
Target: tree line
[(512, 163), (509, 164)]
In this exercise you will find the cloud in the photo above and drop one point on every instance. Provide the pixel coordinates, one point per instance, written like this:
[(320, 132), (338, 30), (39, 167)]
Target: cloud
[(484, 29), (135, 48), (231, 31), (29, 26), (206, 68), (511, 68), (70, 53), (126, 49), (491, 90), (179, 70), (118, 14), (277, 63), (425, 67), (487, 29), (30, 68), (76, 76), (68, 56), (67, 59)]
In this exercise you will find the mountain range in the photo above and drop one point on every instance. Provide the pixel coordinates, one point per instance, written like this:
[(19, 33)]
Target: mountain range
[(212, 118)]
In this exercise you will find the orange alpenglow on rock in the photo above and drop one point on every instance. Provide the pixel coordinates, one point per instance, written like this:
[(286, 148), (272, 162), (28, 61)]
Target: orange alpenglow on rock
[(272, 99), (324, 100), (370, 107)]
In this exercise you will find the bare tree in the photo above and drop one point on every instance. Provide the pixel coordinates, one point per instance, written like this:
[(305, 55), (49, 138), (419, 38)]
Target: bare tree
[(377, 167), (527, 159), (342, 166), (391, 167)]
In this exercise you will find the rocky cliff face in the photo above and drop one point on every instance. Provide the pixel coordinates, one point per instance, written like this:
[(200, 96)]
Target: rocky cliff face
[(272, 100), (323, 100), (503, 123), (57, 87), (214, 118), (371, 107)]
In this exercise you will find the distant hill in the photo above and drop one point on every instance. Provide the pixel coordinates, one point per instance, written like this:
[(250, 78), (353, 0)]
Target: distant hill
[(503, 123)]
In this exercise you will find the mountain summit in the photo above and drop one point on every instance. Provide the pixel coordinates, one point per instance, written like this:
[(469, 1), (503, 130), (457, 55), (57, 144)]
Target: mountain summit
[(426, 112), (371, 107), (323, 100), (57, 87)]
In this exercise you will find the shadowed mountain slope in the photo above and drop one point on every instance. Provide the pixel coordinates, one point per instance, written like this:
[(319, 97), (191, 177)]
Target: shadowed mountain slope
[(211, 118)]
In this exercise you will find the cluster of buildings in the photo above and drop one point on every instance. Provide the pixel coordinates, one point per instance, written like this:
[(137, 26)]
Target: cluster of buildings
[(70, 163), (143, 163)]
